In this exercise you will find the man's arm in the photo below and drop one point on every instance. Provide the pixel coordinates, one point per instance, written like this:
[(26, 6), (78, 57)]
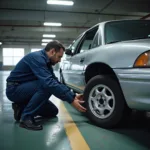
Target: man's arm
[(41, 71), (52, 71)]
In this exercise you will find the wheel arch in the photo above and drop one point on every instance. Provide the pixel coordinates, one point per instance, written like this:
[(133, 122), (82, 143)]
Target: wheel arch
[(99, 68)]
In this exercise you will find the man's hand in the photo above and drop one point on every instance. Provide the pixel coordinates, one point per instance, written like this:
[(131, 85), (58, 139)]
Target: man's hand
[(77, 103), (79, 96)]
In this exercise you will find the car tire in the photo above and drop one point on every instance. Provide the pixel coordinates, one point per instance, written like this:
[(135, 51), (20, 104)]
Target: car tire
[(102, 110)]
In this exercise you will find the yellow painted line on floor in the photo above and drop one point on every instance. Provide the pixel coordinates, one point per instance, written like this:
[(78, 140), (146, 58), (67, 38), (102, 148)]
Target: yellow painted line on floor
[(77, 141), (75, 138)]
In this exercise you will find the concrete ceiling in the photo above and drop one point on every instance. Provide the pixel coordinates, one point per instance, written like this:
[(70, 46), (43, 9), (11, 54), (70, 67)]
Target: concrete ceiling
[(21, 21)]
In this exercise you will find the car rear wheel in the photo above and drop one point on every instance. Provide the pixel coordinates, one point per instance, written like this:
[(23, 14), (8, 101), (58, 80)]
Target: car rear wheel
[(104, 101)]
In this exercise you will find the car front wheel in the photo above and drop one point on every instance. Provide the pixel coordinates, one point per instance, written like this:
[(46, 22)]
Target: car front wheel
[(104, 101)]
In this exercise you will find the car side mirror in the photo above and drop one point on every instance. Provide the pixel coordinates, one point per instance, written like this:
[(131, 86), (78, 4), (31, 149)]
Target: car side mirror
[(68, 52)]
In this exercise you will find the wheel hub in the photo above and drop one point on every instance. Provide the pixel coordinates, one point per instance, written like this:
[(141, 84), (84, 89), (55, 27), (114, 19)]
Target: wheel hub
[(101, 101)]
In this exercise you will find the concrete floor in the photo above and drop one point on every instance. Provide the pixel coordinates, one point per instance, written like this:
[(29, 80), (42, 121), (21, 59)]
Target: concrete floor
[(70, 130)]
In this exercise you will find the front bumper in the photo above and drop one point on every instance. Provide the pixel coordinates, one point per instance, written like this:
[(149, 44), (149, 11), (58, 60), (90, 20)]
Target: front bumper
[(135, 84)]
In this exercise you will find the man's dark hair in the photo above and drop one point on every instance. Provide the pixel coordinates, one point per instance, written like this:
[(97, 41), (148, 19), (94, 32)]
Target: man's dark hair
[(54, 44)]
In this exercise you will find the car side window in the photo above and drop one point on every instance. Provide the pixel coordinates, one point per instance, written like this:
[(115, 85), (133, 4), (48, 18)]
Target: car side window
[(87, 40), (74, 45), (96, 41)]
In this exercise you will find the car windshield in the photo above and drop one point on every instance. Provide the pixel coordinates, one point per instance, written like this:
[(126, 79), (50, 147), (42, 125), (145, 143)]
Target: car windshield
[(118, 31)]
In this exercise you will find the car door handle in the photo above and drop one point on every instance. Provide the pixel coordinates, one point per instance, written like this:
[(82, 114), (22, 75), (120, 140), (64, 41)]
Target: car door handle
[(82, 60)]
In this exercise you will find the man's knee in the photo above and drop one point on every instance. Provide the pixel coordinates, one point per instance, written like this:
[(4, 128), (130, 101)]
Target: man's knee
[(55, 112), (49, 111)]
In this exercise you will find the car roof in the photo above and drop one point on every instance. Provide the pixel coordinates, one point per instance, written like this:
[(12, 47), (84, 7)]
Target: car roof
[(105, 22)]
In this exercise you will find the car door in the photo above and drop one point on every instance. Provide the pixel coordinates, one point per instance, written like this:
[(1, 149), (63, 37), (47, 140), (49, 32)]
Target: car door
[(78, 61), (66, 63)]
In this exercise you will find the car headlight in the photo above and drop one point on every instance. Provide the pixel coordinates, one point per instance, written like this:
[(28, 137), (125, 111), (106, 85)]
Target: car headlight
[(143, 60)]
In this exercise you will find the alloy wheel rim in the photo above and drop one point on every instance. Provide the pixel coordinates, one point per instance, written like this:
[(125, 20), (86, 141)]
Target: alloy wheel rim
[(101, 101)]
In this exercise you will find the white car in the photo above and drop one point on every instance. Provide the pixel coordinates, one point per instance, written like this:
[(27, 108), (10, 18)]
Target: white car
[(110, 64)]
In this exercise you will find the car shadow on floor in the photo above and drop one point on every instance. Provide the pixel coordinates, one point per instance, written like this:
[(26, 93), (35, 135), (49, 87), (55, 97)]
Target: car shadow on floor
[(137, 127)]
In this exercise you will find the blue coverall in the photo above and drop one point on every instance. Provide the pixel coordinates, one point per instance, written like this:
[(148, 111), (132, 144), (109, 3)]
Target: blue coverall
[(35, 83)]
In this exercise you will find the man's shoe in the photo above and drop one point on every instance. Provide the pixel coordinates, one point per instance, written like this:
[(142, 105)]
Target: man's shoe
[(30, 125), (17, 111)]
